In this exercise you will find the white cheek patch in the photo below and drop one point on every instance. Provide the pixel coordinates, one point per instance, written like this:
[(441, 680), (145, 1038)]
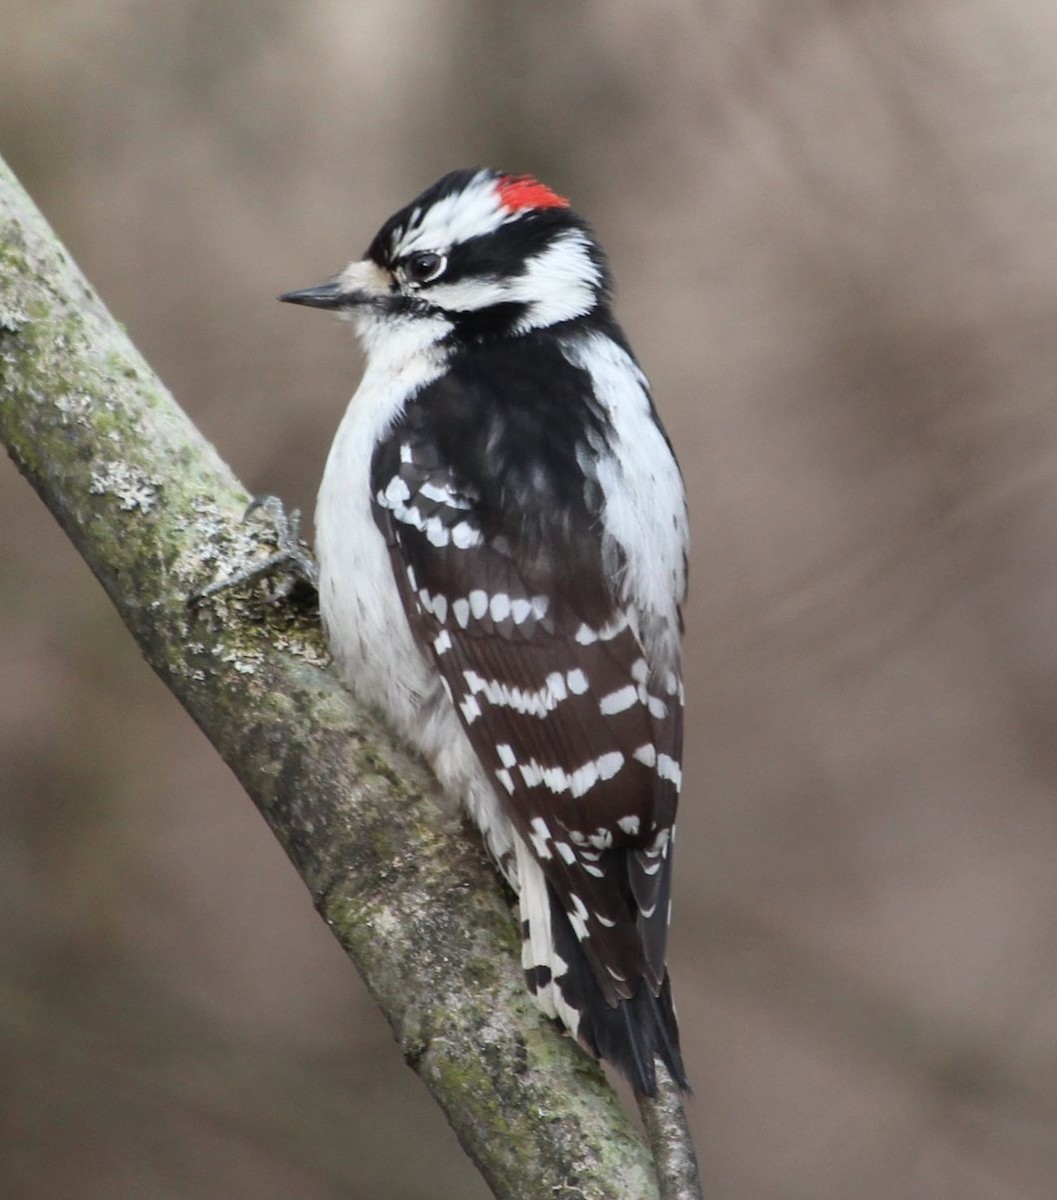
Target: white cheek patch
[(559, 284), (467, 295)]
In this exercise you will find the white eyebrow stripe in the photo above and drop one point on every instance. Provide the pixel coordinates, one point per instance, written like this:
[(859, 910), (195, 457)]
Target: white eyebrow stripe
[(472, 211)]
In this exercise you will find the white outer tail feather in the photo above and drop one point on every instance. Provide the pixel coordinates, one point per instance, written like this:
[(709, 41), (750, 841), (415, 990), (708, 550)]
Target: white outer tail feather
[(537, 949)]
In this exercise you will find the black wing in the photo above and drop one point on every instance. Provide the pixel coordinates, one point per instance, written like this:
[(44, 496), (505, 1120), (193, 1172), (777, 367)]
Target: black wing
[(495, 536)]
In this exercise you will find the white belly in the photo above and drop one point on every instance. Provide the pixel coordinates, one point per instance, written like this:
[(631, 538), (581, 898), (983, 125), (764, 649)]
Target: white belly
[(364, 619), (361, 609)]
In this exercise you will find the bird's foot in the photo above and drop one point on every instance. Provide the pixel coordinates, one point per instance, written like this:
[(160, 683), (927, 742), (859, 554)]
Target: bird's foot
[(291, 563)]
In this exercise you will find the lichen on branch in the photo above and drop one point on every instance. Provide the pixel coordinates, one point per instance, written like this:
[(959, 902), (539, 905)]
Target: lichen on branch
[(157, 515)]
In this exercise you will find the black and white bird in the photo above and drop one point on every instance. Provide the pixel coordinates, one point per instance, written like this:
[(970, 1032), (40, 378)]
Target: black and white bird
[(502, 546)]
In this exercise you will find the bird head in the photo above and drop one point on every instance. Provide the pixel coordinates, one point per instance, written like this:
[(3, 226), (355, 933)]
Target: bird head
[(479, 253)]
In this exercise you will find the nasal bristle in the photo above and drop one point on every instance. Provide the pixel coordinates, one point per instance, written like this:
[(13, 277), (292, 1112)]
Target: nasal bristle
[(517, 192)]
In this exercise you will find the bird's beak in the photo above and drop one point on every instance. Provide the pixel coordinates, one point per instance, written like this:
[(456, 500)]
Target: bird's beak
[(360, 283), (332, 294)]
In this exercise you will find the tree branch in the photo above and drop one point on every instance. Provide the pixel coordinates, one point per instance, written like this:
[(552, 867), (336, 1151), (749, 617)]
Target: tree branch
[(156, 515)]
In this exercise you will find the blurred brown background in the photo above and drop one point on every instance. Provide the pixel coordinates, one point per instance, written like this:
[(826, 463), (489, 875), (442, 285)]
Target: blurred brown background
[(835, 230)]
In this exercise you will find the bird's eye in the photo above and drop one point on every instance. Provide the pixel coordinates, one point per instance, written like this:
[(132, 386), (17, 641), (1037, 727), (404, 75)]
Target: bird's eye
[(424, 266)]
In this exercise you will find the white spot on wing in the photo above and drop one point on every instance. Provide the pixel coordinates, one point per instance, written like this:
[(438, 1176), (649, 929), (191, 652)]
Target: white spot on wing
[(586, 635), (520, 609), (668, 768), (463, 536), (583, 779), (539, 837), (579, 926), (577, 682), (660, 842), (537, 702), (609, 764), (443, 495), (396, 493), (618, 701), (577, 784), (435, 531)]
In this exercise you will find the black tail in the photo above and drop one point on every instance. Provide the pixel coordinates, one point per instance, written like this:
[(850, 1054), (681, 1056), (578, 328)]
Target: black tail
[(630, 1034)]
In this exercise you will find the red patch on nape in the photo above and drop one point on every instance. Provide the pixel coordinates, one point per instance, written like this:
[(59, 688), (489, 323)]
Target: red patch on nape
[(517, 192)]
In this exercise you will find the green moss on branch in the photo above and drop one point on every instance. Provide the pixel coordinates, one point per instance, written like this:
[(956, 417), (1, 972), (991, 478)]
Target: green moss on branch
[(157, 515)]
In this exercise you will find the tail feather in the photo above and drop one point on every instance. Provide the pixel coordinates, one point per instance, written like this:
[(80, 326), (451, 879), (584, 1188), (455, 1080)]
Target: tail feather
[(631, 1034), (634, 1033)]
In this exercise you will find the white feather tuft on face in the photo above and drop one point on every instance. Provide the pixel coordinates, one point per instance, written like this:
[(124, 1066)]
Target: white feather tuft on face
[(363, 275), (559, 284)]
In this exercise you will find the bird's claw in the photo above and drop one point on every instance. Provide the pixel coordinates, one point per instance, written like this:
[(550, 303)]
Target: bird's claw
[(291, 561)]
